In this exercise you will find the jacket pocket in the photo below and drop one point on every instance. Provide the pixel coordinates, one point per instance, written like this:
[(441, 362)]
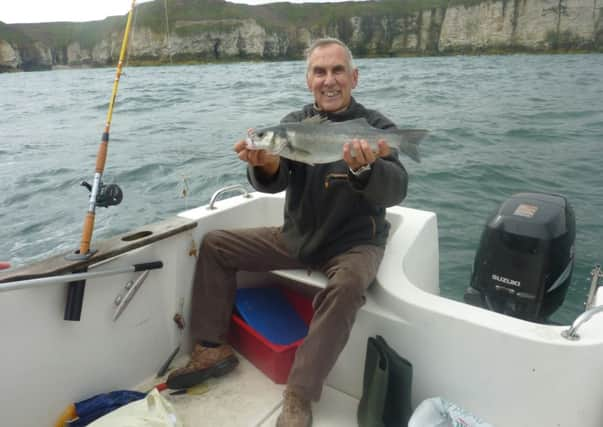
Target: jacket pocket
[(335, 177)]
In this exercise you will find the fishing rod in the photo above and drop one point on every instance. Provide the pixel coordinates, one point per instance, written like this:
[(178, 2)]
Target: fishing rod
[(100, 195), (101, 156), (62, 278)]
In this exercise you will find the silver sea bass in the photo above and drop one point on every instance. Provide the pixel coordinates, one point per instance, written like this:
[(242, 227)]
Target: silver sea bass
[(316, 140)]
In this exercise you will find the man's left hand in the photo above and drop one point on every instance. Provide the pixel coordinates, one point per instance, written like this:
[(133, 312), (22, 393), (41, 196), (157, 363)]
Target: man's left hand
[(363, 155)]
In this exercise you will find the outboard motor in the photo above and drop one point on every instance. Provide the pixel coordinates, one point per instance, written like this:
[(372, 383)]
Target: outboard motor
[(524, 264)]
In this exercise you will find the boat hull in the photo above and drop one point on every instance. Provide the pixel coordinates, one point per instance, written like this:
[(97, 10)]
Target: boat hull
[(507, 371)]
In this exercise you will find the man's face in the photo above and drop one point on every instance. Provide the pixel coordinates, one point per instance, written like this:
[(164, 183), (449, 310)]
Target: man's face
[(330, 78)]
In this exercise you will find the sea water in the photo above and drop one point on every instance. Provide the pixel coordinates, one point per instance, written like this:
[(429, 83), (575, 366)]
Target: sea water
[(498, 125)]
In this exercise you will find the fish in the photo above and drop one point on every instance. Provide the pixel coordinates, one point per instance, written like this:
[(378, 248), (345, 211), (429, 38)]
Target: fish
[(317, 140)]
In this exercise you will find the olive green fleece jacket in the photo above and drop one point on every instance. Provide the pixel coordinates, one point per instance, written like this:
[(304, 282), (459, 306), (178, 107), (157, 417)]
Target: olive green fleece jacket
[(328, 210)]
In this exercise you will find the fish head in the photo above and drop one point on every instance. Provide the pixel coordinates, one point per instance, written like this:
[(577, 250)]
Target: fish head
[(272, 139)]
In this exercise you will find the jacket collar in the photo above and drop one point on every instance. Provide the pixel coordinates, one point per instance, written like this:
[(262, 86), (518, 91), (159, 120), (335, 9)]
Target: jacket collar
[(339, 116)]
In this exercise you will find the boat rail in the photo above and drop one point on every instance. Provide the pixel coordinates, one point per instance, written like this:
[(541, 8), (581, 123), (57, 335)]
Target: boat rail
[(236, 187), (590, 309), (594, 284), (572, 333), (64, 278)]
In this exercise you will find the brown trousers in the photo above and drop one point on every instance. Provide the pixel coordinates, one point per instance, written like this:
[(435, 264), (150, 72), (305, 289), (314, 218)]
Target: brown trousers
[(349, 274)]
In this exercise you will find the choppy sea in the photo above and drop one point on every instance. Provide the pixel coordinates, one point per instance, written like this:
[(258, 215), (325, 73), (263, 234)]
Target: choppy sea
[(499, 125)]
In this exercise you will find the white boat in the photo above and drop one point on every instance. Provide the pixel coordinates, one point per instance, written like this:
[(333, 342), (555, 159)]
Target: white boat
[(62, 345), (509, 372)]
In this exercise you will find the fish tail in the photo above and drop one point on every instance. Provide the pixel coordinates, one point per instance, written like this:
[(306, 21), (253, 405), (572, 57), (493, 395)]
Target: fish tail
[(409, 142)]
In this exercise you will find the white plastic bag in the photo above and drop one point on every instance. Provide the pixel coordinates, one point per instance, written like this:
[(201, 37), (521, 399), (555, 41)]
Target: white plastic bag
[(437, 412), (152, 411)]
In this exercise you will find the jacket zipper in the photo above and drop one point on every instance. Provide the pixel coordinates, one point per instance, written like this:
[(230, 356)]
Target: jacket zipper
[(344, 176), (374, 224)]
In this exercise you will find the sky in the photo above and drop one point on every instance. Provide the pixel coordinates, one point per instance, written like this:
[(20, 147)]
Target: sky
[(26, 11)]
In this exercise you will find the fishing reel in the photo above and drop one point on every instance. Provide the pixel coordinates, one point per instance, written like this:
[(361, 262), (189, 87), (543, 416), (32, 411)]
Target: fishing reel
[(108, 195)]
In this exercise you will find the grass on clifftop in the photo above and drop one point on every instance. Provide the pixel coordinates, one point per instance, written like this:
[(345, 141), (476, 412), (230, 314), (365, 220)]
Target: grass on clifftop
[(61, 34), (13, 35), (276, 16)]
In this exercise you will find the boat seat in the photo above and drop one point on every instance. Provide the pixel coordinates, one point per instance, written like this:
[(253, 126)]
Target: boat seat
[(308, 277), (318, 280), (410, 257)]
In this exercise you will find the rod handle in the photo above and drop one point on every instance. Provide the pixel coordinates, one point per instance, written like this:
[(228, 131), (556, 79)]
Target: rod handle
[(148, 266)]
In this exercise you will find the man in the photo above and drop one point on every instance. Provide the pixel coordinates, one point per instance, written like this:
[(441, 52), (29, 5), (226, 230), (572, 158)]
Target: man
[(334, 221)]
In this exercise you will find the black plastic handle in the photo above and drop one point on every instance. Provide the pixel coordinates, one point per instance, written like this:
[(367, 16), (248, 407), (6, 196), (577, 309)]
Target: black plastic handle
[(148, 266)]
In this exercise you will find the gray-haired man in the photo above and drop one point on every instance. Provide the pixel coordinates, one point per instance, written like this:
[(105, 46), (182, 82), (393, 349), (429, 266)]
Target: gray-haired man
[(334, 221)]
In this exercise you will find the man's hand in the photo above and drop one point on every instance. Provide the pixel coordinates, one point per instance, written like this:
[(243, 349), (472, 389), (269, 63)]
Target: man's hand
[(269, 163), (363, 155)]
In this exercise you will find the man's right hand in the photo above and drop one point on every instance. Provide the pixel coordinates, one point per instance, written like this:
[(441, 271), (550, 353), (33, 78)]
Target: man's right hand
[(269, 163)]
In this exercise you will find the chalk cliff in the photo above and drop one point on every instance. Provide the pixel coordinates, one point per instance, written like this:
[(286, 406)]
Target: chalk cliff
[(386, 28)]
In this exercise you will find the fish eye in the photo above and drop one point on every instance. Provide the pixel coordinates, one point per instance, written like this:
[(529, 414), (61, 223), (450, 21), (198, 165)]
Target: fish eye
[(260, 134)]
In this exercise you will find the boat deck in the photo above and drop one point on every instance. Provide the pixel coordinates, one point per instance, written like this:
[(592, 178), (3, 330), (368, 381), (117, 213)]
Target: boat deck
[(246, 397)]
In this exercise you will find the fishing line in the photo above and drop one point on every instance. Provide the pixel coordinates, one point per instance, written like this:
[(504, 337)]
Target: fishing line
[(131, 38), (184, 193), (167, 31), (185, 188)]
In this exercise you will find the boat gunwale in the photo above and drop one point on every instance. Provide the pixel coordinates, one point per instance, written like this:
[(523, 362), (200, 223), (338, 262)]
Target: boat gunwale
[(105, 249)]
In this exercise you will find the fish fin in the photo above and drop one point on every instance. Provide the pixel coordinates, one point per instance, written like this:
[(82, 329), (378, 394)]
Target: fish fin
[(299, 154), (411, 151), (410, 139), (320, 120), (358, 121), (412, 136), (302, 151), (315, 120)]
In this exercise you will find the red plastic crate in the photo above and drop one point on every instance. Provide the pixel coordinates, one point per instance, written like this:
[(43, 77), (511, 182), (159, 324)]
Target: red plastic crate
[(274, 360)]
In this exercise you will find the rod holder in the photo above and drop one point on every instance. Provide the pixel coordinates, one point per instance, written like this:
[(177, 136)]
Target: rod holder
[(75, 300)]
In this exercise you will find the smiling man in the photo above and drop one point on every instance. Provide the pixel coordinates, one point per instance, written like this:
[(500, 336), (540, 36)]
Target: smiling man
[(331, 76), (334, 222)]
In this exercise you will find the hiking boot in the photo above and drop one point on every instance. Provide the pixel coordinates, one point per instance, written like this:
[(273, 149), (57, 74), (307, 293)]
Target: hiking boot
[(296, 412), (205, 362)]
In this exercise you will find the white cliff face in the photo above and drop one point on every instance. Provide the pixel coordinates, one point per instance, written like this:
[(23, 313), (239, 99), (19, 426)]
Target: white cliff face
[(44, 54), (356, 38), (491, 24), (580, 18), (145, 44), (9, 57), (78, 56), (535, 21), (304, 37), (408, 39), (531, 24), (253, 39), (483, 25), (102, 52), (497, 24), (431, 22), (208, 39)]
